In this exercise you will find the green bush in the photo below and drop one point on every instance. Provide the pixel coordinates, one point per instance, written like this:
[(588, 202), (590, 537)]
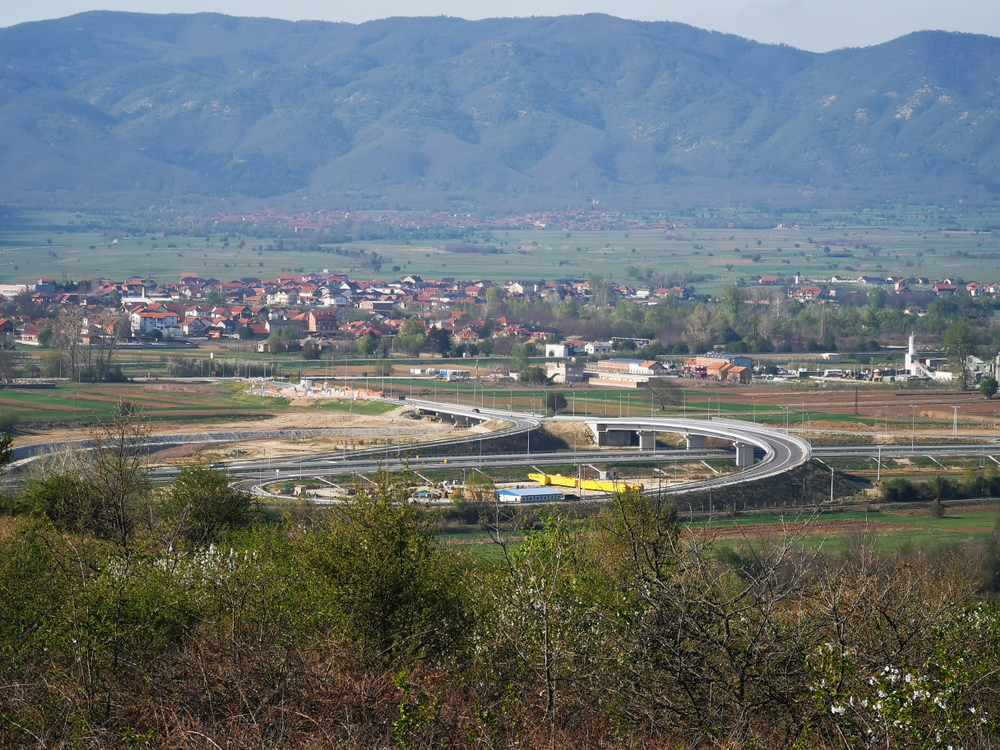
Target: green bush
[(203, 505), (391, 591), (67, 500)]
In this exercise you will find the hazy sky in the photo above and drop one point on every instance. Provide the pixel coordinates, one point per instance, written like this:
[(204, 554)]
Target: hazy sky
[(816, 25)]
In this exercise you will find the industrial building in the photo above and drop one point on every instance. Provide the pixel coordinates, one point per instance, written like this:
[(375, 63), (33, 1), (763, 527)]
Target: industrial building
[(530, 495), (626, 373), (925, 367), (715, 366)]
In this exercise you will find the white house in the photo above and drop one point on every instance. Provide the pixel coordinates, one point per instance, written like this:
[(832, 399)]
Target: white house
[(559, 350), (598, 348), (196, 326), (567, 348), (144, 322), (335, 300)]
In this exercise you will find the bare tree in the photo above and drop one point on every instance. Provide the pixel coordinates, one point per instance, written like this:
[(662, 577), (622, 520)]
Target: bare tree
[(664, 393), (66, 334), (9, 360), (119, 470), (103, 347), (699, 325)]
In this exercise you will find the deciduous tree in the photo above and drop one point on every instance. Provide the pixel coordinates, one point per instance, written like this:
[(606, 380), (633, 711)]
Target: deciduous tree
[(988, 387), (202, 504), (960, 342), (118, 470)]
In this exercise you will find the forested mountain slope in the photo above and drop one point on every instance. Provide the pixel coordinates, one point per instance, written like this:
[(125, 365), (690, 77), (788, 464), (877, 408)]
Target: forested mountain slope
[(132, 108)]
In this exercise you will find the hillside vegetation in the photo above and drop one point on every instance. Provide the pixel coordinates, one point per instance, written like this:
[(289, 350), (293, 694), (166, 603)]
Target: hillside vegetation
[(182, 617), (129, 109)]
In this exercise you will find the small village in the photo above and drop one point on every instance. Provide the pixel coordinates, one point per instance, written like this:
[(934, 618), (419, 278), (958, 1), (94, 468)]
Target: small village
[(322, 315)]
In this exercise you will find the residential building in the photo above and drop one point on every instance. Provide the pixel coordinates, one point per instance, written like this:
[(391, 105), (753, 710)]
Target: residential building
[(568, 373), (598, 348), (143, 322)]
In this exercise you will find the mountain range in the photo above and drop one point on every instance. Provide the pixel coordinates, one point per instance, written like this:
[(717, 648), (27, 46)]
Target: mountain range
[(124, 109)]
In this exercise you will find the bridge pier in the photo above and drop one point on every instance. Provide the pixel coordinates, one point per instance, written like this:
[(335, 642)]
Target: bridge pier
[(614, 438), (647, 440), (744, 455), (694, 442)]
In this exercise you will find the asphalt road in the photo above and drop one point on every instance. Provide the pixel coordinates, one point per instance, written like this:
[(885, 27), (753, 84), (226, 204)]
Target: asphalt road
[(777, 451), (781, 451)]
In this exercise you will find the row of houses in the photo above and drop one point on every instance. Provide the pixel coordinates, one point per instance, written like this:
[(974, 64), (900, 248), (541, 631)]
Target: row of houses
[(310, 304), (175, 321), (803, 291), (336, 290), (733, 368), (620, 372)]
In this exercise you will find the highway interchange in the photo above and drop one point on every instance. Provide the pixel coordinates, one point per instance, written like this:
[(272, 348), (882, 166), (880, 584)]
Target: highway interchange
[(776, 451)]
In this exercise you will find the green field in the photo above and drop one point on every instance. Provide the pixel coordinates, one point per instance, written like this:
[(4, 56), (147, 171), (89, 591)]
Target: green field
[(75, 403), (86, 403), (928, 531), (905, 241)]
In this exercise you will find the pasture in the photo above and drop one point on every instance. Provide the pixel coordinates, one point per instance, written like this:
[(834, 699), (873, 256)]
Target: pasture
[(836, 531), (83, 403), (910, 241)]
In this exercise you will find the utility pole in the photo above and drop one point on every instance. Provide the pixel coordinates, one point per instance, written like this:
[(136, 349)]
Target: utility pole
[(954, 423)]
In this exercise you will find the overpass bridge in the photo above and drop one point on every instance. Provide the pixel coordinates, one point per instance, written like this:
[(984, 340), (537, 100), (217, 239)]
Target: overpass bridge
[(781, 451), (746, 437)]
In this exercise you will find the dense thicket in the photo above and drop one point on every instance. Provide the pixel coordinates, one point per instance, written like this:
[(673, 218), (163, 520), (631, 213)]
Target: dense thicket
[(354, 627)]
